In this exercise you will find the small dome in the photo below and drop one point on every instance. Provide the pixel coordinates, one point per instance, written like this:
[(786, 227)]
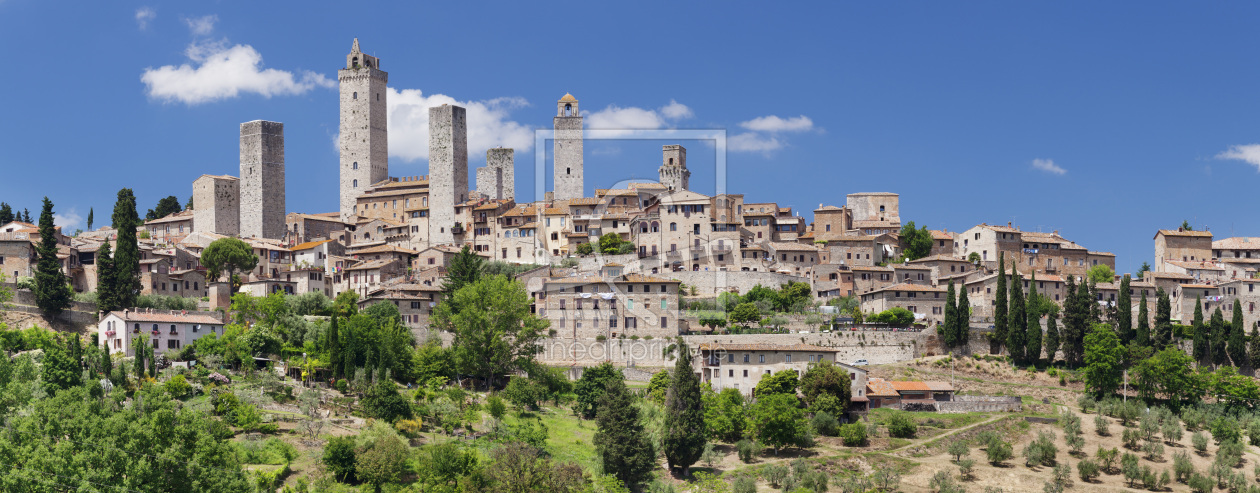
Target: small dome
[(568, 97)]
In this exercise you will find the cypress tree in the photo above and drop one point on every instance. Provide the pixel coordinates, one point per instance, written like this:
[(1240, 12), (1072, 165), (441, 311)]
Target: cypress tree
[(91, 218), (52, 293), (1032, 349), (141, 342), (1072, 323), (1218, 336), (1095, 310), (1161, 333), (1254, 350), (1052, 338), (684, 416), (1016, 332), (949, 333), (963, 324), (106, 297), (26, 216), (6, 213), (1083, 300), (127, 251), (107, 363), (999, 309), (1238, 337), (1124, 312), (1201, 344), (623, 446), (334, 351), (1143, 334)]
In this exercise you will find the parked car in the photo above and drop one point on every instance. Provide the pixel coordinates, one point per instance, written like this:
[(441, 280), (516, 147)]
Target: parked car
[(861, 362)]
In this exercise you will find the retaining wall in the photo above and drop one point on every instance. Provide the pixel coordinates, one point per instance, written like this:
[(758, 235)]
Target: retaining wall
[(980, 403)]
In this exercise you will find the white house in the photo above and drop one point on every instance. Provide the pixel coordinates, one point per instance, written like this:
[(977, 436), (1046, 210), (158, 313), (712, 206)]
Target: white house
[(167, 331)]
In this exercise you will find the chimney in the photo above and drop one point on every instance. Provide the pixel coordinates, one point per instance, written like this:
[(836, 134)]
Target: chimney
[(1008, 224), (1180, 229)]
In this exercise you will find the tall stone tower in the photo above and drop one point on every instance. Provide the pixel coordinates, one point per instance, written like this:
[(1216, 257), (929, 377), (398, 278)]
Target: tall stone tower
[(364, 139), (674, 173), (448, 170), (567, 153), (497, 179), (217, 205), (262, 179)]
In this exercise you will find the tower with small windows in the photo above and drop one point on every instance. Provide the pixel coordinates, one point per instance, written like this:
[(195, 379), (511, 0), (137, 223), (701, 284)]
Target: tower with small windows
[(567, 150), (364, 141), (673, 171), (448, 171), (262, 204)]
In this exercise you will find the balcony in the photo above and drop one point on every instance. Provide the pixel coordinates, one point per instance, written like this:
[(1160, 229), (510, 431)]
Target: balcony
[(457, 229), (723, 248), (673, 253)]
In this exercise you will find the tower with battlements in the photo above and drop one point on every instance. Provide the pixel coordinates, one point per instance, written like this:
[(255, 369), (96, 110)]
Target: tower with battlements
[(364, 141), (567, 150), (262, 180), (673, 171), (496, 180)]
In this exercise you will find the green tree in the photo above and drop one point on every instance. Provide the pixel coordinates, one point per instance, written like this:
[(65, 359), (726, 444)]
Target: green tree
[(1169, 374), (962, 326), (1032, 345), (744, 314), (1104, 361), (1101, 273), (141, 344), (495, 333), (165, 207), (6, 214), (1146, 267), (1052, 338), (590, 387), (1201, 346), (465, 269), (52, 292), (333, 347), (1161, 334), (621, 441), (1072, 337), (1238, 337), (658, 386), (228, 256), (126, 275), (915, 243), (1124, 311), (777, 421), (1143, 334), (947, 329), (382, 462), (385, 403), (825, 379), (106, 285), (91, 218), (61, 369), (684, 434), (1219, 334), (780, 382), (339, 457), (1017, 333), (1253, 352), (725, 414), (1000, 328)]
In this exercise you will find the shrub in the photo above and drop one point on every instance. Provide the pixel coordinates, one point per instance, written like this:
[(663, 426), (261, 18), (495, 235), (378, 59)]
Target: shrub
[(853, 434), (775, 474), (1183, 468), (1154, 451), (959, 449), (1172, 430), (1129, 467), (339, 457), (966, 467), (1107, 458), (744, 484), (1132, 439), (943, 482), (1087, 402), (1087, 469), (1226, 430), (746, 449), (825, 424), (1230, 453), (178, 386), (1041, 451), (998, 452), (901, 425), (1200, 483), (1199, 441), (343, 386)]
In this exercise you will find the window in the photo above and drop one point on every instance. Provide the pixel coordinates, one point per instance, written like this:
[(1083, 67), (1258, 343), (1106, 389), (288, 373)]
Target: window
[(788, 358), (664, 322), (761, 358), (746, 356), (730, 358), (745, 373)]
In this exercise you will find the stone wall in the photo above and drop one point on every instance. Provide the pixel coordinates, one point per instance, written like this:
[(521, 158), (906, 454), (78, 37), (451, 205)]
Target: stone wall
[(876, 347), (980, 404), (711, 283), (262, 202), (217, 206), (448, 169), (503, 159)]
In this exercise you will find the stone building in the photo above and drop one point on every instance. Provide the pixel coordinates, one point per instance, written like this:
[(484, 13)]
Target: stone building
[(741, 366), (567, 150), (1183, 245), (673, 172), (262, 180), (608, 307), (364, 144), (168, 332), (217, 205), (926, 302), (497, 179), (171, 229), (874, 213), (448, 170), (305, 228)]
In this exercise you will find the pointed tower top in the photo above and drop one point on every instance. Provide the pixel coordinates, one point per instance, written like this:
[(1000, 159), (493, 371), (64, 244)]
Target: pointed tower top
[(355, 48)]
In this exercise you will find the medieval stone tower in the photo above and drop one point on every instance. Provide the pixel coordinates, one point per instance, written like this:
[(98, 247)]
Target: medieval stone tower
[(674, 173), (567, 153), (217, 205), (497, 180), (364, 139), (262, 179), (448, 170)]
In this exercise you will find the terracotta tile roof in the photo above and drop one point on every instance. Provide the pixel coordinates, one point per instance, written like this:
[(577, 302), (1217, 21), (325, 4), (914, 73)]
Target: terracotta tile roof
[(383, 249), (880, 388), (584, 201), (710, 346), (165, 317), (1168, 275), (939, 386), (909, 386), (940, 257), (910, 287), (1194, 265), (788, 246), (1102, 254), (308, 245), (871, 267), (173, 217), (316, 217), (646, 278), (371, 264), (910, 267), (1175, 232), (648, 186), (1199, 286), (941, 235), (848, 238), (1237, 242), (1000, 229)]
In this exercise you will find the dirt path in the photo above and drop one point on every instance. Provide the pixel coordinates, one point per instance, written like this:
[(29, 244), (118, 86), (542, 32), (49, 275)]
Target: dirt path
[(916, 443)]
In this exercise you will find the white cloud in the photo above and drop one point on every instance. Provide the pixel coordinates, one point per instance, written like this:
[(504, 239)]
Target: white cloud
[(143, 16), (1249, 154), (634, 118), (752, 142), (218, 72), (1048, 166), (68, 220), (773, 123), (489, 124), (201, 26)]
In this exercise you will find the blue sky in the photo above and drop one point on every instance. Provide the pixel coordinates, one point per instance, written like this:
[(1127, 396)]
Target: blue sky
[(1104, 121)]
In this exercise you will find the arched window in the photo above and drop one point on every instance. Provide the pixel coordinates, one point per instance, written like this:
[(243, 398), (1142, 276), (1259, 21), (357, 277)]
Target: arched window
[(673, 226), (356, 183), (355, 165), (568, 109), (671, 161), (355, 95)]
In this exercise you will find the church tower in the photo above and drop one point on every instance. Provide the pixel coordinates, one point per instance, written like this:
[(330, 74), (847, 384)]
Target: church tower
[(567, 150), (674, 173), (364, 141)]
